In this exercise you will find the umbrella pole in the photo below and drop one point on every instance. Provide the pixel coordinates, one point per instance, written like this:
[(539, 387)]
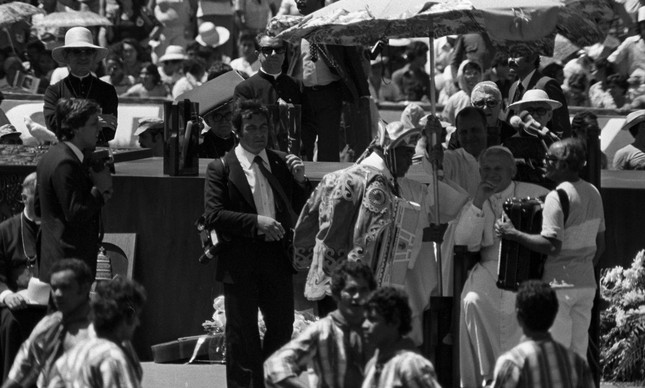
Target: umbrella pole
[(6, 30)]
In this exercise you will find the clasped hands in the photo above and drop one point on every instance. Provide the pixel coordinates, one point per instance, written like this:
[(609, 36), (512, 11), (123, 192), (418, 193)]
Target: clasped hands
[(296, 167), (271, 228)]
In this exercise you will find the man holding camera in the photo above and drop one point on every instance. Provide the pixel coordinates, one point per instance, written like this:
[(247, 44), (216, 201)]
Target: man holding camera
[(72, 188)]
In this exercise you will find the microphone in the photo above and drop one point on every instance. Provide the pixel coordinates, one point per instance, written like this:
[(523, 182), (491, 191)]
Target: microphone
[(530, 123)]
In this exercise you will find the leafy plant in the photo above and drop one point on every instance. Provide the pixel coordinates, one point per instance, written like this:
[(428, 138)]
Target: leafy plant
[(622, 323)]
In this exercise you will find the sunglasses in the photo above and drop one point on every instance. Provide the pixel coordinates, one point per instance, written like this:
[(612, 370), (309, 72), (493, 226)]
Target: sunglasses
[(481, 104), (549, 159), (222, 116), (538, 111), (81, 51), (271, 50)]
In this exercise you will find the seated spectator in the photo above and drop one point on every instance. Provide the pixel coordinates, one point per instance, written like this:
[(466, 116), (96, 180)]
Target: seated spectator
[(217, 68), (150, 84), (132, 55), (213, 37), (47, 65), (396, 362), (108, 360), (618, 88), (538, 354), (247, 64), (9, 135), (150, 132), (412, 89), (629, 55), (380, 83), (194, 72), (177, 24), (333, 346), (116, 76), (12, 66), (131, 19), (468, 75), (599, 95), (632, 156), (170, 65), (575, 90)]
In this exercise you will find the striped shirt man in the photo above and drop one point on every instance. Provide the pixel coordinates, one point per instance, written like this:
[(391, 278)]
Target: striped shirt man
[(542, 362), (330, 350), (96, 363)]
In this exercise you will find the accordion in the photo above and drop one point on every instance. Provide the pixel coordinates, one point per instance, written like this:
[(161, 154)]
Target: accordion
[(397, 242), (518, 263)]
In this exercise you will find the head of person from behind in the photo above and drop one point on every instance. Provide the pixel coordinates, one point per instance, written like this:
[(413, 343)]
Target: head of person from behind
[(387, 317), (497, 167), (536, 306), (487, 97), (251, 124), (271, 53), (70, 281), (471, 131), (77, 121), (565, 159), (351, 284), (219, 120), (116, 309), (79, 53)]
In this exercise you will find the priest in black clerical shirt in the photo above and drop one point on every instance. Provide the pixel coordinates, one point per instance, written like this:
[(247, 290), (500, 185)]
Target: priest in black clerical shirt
[(269, 84), (80, 54)]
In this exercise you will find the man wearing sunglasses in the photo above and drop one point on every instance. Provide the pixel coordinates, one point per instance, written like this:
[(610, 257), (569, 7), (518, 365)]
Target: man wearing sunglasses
[(270, 85), (524, 63)]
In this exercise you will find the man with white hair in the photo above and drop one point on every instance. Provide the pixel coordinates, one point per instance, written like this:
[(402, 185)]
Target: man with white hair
[(487, 325), (487, 97)]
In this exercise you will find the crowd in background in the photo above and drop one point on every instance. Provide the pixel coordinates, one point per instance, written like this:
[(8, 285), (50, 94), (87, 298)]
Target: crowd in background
[(162, 48)]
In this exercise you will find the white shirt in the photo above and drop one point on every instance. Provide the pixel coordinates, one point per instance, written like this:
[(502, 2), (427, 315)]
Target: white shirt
[(77, 152), (260, 187)]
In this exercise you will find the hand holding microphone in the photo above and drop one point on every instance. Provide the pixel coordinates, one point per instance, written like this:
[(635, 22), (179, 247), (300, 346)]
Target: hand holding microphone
[(526, 122)]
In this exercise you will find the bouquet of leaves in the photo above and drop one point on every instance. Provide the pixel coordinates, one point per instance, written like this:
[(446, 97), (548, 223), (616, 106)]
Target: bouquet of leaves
[(622, 324)]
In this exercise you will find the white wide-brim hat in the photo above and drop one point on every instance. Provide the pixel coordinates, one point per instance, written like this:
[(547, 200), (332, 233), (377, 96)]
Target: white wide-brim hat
[(634, 119), (212, 35), (535, 95), (78, 37), (173, 53)]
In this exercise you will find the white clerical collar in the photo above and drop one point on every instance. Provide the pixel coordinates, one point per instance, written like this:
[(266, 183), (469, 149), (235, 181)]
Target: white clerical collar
[(80, 77), (75, 149), (275, 76)]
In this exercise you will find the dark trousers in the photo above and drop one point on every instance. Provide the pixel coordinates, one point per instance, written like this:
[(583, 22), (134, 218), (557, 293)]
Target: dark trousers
[(268, 286), (321, 110), (15, 327)]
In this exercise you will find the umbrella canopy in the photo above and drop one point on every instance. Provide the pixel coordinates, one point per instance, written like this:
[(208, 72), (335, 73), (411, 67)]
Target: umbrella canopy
[(72, 19), (16, 11), (363, 22)]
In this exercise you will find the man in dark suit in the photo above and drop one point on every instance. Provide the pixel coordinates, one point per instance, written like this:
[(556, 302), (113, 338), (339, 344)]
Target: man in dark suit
[(251, 198), (70, 194), (270, 84), (331, 75), (525, 62)]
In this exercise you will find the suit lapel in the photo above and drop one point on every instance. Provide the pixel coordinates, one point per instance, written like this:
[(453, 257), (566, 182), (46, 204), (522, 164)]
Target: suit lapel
[(237, 177)]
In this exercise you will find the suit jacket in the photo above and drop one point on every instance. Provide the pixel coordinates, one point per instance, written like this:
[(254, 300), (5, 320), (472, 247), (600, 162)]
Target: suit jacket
[(70, 213), (267, 89), (231, 211), (559, 123)]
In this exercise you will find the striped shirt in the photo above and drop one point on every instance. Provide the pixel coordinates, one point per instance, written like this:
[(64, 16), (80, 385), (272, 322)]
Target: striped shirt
[(542, 363), (97, 363), (329, 350), (405, 369)]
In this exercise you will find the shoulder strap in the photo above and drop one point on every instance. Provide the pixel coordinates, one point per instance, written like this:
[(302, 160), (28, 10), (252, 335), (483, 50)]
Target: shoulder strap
[(564, 202), (542, 82)]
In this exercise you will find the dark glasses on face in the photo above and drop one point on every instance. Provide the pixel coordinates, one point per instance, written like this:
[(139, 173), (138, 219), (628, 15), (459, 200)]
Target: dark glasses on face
[(271, 50), (222, 116), (81, 51), (481, 104), (538, 111)]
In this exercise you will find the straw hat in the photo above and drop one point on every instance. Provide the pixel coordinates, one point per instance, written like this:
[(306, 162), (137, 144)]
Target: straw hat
[(173, 53), (78, 37), (535, 95), (633, 119), (212, 35)]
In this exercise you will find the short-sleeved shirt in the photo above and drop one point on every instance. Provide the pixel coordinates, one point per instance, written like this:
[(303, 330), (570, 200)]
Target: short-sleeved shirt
[(574, 264), (629, 158)]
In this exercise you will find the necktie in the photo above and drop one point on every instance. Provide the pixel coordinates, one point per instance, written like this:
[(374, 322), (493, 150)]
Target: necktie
[(278, 191), (518, 92)]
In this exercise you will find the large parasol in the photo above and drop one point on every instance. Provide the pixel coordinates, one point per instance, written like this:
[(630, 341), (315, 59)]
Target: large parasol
[(16, 11), (507, 22), (72, 19)]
